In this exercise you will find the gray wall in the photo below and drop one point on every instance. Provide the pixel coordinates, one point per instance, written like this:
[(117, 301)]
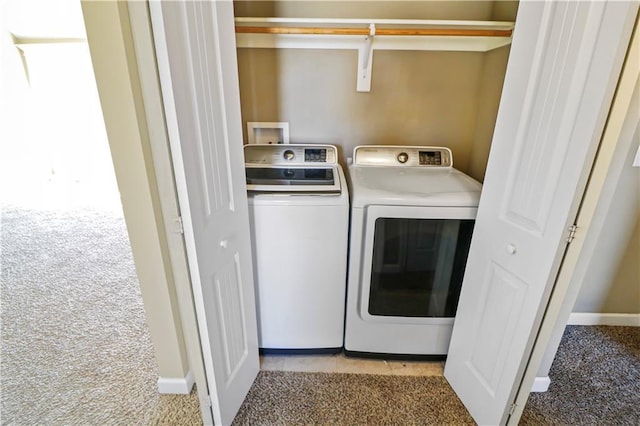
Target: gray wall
[(416, 98), (392, 9), (612, 279)]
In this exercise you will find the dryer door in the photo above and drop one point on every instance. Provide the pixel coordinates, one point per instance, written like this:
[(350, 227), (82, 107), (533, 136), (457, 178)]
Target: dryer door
[(413, 263)]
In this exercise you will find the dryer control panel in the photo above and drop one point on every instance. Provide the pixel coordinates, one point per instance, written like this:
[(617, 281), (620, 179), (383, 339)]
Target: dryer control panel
[(292, 155), (402, 156)]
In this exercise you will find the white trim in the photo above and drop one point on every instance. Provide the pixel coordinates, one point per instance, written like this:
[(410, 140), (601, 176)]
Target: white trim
[(170, 385), (380, 42), (541, 384), (586, 318), (329, 41)]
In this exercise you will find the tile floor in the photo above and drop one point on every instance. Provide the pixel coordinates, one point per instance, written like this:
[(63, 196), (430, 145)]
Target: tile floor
[(339, 363)]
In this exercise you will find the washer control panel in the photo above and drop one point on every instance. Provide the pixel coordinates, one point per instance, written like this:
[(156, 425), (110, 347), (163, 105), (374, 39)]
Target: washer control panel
[(402, 156), (291, 154)]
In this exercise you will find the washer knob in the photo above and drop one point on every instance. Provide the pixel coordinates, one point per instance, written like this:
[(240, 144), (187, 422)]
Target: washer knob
[(403, 157), (288, 155)]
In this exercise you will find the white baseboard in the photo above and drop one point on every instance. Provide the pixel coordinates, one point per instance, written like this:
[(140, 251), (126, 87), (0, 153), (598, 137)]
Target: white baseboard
[(172, 385), (583, 318), (541, 384)]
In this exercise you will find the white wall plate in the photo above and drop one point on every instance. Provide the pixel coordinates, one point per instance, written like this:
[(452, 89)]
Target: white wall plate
[(267, 133)]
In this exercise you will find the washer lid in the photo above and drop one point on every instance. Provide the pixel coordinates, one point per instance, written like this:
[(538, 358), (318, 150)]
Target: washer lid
[(412, 186)]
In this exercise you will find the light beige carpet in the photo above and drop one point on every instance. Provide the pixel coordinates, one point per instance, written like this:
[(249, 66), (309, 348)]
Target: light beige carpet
[(75, 346)]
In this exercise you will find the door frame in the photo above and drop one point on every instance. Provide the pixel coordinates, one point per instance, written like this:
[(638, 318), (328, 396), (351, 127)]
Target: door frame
[(187, 307)]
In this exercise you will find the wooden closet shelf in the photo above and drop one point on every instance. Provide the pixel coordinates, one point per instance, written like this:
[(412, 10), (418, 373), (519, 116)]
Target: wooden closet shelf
[(459, 32)]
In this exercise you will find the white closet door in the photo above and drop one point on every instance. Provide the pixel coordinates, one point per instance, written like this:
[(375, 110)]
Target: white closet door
[(195, 43), (564, 65)]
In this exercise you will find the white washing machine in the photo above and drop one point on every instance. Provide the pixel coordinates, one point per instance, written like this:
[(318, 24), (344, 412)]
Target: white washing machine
[(299, 217), (412, 217)]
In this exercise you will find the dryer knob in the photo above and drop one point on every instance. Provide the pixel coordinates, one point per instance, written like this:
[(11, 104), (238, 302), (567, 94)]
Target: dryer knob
[(288, 155), (403, 157)]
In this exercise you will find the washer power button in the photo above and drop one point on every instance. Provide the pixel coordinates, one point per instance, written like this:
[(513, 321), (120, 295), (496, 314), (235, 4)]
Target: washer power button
[(403, 157)]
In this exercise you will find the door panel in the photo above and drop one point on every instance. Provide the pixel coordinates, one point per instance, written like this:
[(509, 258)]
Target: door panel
[(230, 307), (195, 44), (499, 306), (564, 64)]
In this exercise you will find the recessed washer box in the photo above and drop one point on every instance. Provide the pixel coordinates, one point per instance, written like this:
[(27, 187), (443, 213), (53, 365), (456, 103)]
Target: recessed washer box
[(268, 133)]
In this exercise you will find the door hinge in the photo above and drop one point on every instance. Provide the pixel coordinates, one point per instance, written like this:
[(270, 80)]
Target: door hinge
[(512, 409), (208, 402), (179, 225), (572, 233)]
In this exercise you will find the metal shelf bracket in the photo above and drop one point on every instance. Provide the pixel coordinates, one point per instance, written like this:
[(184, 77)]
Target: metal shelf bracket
[(365, 62)]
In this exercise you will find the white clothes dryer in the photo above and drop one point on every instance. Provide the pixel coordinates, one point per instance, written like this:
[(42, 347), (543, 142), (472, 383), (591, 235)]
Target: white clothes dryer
[(299, 218), (412, 217)]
